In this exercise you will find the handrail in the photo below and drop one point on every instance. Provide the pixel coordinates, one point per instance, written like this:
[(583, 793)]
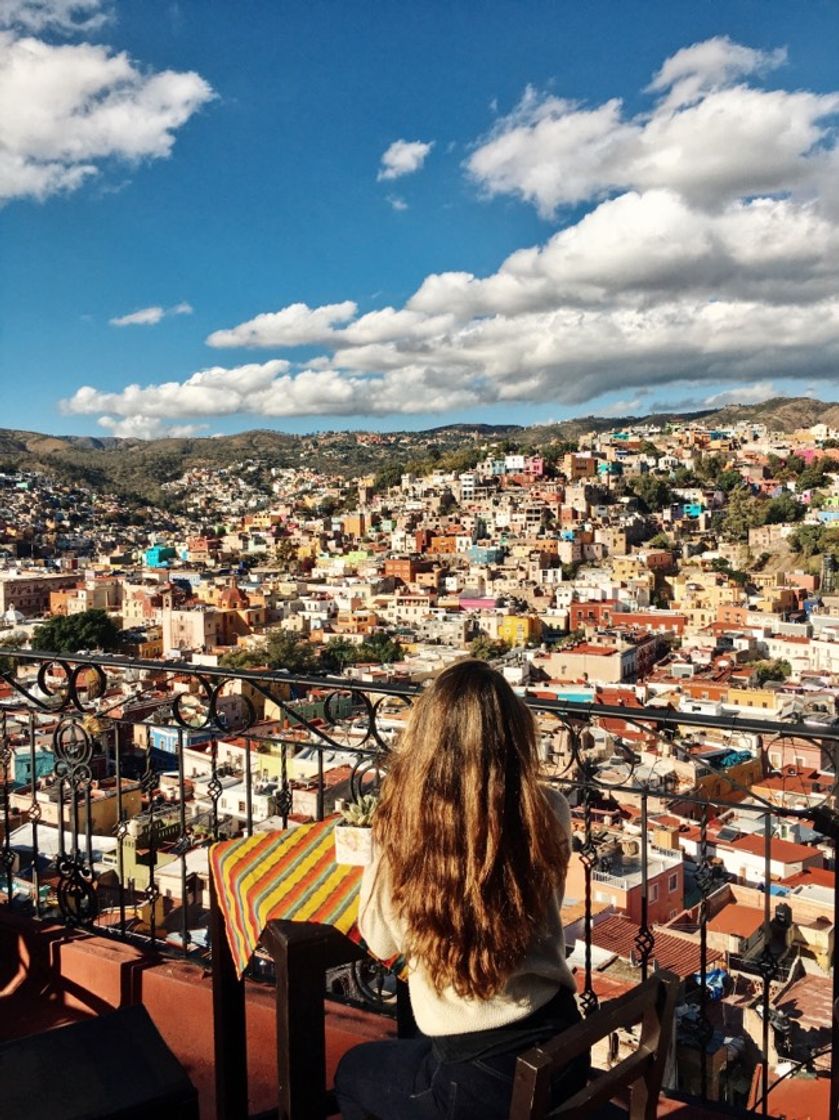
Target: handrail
[(323, 714)]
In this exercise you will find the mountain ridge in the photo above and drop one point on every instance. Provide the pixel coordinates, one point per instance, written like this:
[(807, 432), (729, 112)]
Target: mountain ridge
[(138, 467)]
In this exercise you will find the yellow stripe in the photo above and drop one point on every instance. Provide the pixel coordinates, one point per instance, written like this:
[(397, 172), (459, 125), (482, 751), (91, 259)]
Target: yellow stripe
[(316, 900), (275, 898)]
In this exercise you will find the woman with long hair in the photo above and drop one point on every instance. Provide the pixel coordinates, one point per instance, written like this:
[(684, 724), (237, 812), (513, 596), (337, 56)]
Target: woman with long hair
[(471, 852)]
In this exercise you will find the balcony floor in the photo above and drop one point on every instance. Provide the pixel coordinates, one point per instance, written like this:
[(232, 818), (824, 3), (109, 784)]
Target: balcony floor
[(51, 977)]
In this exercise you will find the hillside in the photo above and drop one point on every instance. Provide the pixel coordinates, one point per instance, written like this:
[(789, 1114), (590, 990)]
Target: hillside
[(781, 414), (138, 467)]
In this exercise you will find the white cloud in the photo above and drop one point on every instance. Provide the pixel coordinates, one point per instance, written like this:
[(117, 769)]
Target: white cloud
[(403, 157), (77, 105), (65, 16), (396, 202), (712, 262), (148, 427), (150, 316), (210, 392), (747, 394), (295, 325), (708, 139), (705, 66), (145, 317)]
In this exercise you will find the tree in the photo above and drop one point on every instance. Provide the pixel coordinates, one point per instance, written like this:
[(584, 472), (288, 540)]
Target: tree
[(486, 649), (288, 651), (73, 632), (11, 641), (653, 492), (244, 658), (741, 514), (380, 647), (660, 540), (728, 481), (777, 670), (280, 651), (336, 655), (388, 476), (448, 502), (807, 540), (285, 553), (780, 510)]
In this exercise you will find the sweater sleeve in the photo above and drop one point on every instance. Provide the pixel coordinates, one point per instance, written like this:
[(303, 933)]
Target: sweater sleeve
[(561, 808), (376, 920)]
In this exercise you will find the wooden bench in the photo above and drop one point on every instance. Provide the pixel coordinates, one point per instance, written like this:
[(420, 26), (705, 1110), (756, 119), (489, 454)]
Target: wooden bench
[(653, 1004)]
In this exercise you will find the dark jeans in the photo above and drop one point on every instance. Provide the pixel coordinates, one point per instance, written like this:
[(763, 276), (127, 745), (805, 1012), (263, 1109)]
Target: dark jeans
[(401, 1079)]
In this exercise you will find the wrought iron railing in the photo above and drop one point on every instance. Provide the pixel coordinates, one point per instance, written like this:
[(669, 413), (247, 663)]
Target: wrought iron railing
[(113, 770)]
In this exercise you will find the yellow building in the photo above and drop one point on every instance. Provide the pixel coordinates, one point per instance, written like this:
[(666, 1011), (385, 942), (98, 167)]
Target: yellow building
[(519, 629), (763, 699)]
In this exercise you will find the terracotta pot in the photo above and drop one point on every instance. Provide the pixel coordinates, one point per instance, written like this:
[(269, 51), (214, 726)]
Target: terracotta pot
[(353, 845)]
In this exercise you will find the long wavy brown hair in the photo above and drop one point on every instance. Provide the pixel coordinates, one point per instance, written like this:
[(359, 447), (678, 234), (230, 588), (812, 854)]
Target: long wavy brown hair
[(473, 847)]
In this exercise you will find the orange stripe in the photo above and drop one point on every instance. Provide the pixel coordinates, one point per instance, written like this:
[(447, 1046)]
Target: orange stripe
[(232, 895), (345, 887), (232, 900), (251, 881), (259, 896), (298, 889)]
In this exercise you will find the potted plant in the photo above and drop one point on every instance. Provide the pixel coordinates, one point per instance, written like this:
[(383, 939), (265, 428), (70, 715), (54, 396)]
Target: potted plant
[(353, 833)]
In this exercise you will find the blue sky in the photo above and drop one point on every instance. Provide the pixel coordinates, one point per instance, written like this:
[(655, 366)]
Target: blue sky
[(591, 245)]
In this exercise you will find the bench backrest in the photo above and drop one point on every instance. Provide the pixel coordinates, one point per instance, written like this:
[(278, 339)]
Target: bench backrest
[(653, 1004)]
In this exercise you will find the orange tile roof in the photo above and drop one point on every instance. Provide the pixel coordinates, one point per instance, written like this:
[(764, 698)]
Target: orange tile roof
[(736, 919), (800, 1098), (811, 877), (617, 934), (782, 850)]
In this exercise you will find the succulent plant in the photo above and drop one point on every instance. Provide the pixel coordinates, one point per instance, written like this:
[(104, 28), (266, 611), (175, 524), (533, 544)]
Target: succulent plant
[(360, 813)]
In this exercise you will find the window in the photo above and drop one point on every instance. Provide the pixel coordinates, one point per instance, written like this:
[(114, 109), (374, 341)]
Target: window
[(673, 882), (653, 892)]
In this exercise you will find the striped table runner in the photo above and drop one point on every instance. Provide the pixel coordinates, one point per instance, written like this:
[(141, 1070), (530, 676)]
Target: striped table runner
[(290, 874)]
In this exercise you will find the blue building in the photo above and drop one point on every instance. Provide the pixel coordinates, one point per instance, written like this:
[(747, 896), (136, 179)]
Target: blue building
[(485, 554), (166, 738), (44, 764), (159, 555)]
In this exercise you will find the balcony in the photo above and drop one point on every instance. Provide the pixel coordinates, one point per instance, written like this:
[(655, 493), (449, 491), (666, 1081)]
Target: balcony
[(118, 774)]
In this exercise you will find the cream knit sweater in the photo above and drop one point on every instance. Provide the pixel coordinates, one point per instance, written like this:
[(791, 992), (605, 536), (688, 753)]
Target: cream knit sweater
[(537, 979)]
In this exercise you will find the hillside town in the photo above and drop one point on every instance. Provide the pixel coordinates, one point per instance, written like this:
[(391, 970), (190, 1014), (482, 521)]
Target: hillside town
[(674, 566)]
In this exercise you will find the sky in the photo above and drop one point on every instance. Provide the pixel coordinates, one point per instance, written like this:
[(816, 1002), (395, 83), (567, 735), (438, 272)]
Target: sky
[(312, 214)]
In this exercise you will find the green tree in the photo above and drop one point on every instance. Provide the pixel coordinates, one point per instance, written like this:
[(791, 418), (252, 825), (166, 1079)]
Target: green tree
[(653, 492), (486, 649), (741, 514), (448, 502), (388, 476), (380, 647), (728, 481), (777, 670), (336, 655), (10, 641), (660, 540), (288, 651), (73, 632), (780, 510), (807, 540), (244, 658), (280, 651), (285, 554)]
